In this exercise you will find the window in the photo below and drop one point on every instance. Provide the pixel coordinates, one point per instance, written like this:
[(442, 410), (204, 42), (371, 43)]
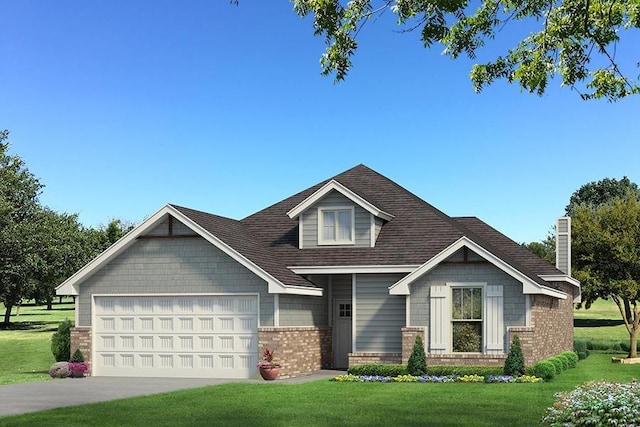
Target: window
[(335, 226), (466, 319), (344, 311)]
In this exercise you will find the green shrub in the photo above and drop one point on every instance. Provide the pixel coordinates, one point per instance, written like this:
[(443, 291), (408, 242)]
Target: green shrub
[(485, 371), (572, 357), (417, 364), (77, 356), (565, 362), (61, 341), (544, 369), (596, 404), (557, 363), (580, 346), (514, 365), (384, 370)]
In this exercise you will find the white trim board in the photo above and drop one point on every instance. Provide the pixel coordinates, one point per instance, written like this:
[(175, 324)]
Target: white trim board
[(70, 286), (348, 269), (335, 185), (529, 286)]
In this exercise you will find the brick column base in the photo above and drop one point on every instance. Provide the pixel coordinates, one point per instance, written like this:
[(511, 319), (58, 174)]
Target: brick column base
[(81, 339), (526, 335), (409, 334), (300, 350)]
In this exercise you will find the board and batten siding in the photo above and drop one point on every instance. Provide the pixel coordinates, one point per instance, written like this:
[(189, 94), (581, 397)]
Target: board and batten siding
[(513, 299), (309, 221), (379, 316), (182, 265)]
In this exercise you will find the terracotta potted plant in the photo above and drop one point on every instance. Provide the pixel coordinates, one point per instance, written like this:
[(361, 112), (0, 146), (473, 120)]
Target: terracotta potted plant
[(269, 368)]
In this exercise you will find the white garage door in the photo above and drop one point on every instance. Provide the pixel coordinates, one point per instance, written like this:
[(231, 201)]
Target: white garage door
[(205, 336)]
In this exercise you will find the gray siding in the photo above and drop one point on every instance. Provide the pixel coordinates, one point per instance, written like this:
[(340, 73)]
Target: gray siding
[(341, 287), (309, 220), (379, 316), (514, 299), (179, 265), (304, 310), (377, 227), (177, 229)]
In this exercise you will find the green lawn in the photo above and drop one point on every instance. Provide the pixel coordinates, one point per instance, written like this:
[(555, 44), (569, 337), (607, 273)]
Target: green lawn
[(324, 403), (601, 322), (25, 348), (313, 404)]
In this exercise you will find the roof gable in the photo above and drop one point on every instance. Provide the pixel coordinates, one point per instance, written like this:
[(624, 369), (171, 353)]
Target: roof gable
[(70, 286), (334, 185), (529, 286)]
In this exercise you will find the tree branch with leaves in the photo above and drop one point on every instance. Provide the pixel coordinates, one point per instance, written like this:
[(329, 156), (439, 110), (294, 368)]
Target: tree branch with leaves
[(574, 39)]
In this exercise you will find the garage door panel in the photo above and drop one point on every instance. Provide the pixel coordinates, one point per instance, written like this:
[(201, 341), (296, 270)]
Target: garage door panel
[(191, 336)]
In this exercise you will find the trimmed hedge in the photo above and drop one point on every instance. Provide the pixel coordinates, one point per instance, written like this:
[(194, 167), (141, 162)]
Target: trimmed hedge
[(544, 369), (383, 370), (572, 357), (580, 346), (61, 341), (484, 371), (395, 370)]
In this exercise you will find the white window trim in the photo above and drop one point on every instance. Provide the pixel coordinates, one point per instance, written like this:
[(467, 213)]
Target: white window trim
[(462, 285), (321, 240)]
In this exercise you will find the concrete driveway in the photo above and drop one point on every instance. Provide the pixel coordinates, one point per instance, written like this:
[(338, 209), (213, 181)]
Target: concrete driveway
[(31, 397)]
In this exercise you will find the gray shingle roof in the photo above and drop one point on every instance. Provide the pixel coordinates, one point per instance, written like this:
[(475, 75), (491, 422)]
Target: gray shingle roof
[(418, 232)]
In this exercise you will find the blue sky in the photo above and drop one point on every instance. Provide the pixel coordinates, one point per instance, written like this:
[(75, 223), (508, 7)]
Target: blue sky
[(122, 107)]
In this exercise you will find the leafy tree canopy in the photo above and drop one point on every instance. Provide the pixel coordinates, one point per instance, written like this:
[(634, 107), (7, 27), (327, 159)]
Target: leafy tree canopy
[(597, 193), (575, 39), (606, 252)]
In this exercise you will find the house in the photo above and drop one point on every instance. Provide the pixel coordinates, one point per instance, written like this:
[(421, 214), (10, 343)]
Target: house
[(346, 272)]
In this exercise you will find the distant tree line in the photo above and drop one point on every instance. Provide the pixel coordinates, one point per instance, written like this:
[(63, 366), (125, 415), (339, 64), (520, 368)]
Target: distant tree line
[(39, 248)]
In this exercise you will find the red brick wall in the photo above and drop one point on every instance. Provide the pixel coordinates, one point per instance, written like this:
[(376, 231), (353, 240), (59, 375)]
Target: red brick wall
[(409, 334), (552, 321), (81, 338), (374, 358), (300, 350)]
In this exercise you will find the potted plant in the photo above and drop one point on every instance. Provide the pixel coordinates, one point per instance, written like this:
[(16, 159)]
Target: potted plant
[(269, 368), (77, 366)]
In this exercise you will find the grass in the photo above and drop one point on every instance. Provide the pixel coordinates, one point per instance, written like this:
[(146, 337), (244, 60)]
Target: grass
[(30, 337), (601, 322), (311, 404), (323, 403)]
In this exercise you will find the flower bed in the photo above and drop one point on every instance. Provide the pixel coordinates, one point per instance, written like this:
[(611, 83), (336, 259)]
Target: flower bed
[(349, 378), (596, 404)]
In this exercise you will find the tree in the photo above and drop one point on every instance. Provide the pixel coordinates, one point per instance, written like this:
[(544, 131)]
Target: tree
[(417, 363), (597, 193), (64, 247), (575, 39), (606, 250), (545, 249), (19, 191)]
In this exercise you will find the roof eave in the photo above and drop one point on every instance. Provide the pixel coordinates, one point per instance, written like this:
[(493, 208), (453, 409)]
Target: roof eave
[(530, 286)]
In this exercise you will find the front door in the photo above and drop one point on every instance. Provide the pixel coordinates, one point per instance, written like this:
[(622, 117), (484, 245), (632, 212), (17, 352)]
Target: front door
[(341, 333)]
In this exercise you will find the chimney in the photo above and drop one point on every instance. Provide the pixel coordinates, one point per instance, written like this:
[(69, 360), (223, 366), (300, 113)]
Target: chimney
[(563, 245)]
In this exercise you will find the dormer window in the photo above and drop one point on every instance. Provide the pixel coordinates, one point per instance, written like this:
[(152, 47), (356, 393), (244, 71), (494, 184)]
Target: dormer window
[(336, 226)]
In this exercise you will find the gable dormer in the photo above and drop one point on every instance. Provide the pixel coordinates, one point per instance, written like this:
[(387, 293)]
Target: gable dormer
[(336, 216)]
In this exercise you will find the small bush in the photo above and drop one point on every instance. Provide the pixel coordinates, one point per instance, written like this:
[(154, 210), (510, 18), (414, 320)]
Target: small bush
[(417, 364), (557, 363), (61, 341), (514, 365), (77, 356), (572, 357), (596, 403), (383, 370), (565, 361), (60, 370), (544, 369)]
